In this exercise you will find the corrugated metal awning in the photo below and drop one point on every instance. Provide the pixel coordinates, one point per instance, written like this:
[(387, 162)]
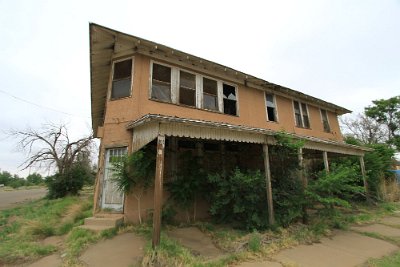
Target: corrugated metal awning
[(150, 126)]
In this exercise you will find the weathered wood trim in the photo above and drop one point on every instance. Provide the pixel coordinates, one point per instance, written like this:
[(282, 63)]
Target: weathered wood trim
[(271, 217), (363, 173), (158, 190), (326, 161)]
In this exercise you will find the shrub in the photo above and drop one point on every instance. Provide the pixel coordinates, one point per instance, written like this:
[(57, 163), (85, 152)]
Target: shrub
[(69, 183), (239, 199), (337, 187), (287, 190)]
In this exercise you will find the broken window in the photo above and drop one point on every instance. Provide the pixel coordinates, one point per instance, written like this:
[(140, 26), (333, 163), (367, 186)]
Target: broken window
[(301, 114), (271, 107), (161, 83), (121, 83), (210, 94), (187, 89), (325, 122), (230, 99)]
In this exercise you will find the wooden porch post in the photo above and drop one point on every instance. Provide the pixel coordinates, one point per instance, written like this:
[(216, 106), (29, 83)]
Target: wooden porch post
[(302, 177), (303, 180), (326, 162), (158, 190), (271, 218), (174, 156), (362, 165)]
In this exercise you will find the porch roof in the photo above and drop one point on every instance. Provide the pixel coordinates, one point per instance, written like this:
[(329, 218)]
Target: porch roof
[(148, 127)]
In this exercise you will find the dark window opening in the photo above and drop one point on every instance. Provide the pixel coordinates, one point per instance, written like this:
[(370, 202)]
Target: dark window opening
[(161, 83), (306, 121), (325, 121), (187, 89), (301, 115), (230, 99), (121, 84), (231, 147), (210, 96), (297, 114), (271, 107)]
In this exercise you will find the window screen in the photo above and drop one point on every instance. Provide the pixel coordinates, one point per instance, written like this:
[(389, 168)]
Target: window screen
[(121, 84)]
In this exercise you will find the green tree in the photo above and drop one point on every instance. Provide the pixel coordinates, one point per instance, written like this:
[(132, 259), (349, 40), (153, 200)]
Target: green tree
[(34, 178), (387, 112), (134, 174), (5, 177)]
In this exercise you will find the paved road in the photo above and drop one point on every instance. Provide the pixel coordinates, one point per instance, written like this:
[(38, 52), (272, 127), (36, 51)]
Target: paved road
[(9, 199)]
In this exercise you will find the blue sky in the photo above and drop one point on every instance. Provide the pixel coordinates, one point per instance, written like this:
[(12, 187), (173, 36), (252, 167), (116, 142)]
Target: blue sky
[(345, 52)]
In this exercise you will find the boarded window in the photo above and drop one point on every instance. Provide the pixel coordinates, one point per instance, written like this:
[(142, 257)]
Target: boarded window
[(187, 89), (230, 100), (161, 83), (271, 107), (210, 95), (301, 114), (121, 84), (325, 122)]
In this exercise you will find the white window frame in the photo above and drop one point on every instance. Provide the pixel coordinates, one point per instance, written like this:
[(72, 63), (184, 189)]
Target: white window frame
[(112, 78), (174, 82), (178, 87), (219, 94), (301, 114), (327, 119), (236, 94), (276, 107), (175, 88)]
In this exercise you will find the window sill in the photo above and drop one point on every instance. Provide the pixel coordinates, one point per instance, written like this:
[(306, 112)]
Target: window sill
[(120, 98), (300, 127), (192, 107)]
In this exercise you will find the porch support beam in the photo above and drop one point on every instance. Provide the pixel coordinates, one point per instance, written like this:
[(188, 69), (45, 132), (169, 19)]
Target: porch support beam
[(364, 176), (271, 217), (326, 162), (303, 179), (158, 190)]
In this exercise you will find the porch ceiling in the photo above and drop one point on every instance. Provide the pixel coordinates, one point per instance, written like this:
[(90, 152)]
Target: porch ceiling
[(150, 126)]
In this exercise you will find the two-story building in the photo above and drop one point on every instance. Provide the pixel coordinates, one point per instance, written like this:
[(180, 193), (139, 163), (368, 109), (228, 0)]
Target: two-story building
[(144, 92)]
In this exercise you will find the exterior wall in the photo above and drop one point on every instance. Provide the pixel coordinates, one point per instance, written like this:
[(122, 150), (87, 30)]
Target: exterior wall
[(252, 113), (252, 110)]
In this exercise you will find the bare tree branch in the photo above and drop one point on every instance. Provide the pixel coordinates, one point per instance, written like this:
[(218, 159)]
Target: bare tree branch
[(51, 146)]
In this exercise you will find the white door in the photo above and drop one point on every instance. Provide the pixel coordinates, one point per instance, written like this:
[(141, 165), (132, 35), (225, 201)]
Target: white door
[(111, 197)]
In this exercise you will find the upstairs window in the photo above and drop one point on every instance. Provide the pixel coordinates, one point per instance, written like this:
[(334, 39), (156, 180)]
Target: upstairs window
[(122, 77), (161, 83), (271, 107), (230, 100), (210, 94), (187, 89), (301, 114), (325, 122)]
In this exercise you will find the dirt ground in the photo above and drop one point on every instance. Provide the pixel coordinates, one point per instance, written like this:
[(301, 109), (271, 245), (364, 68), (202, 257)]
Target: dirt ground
[(10, 199)]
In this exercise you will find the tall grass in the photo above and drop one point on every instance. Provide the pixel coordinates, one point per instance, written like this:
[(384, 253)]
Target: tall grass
[(23, 228)]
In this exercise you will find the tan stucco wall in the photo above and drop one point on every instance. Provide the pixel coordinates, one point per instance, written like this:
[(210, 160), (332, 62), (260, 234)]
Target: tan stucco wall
[(251, 113), (251, 110)]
